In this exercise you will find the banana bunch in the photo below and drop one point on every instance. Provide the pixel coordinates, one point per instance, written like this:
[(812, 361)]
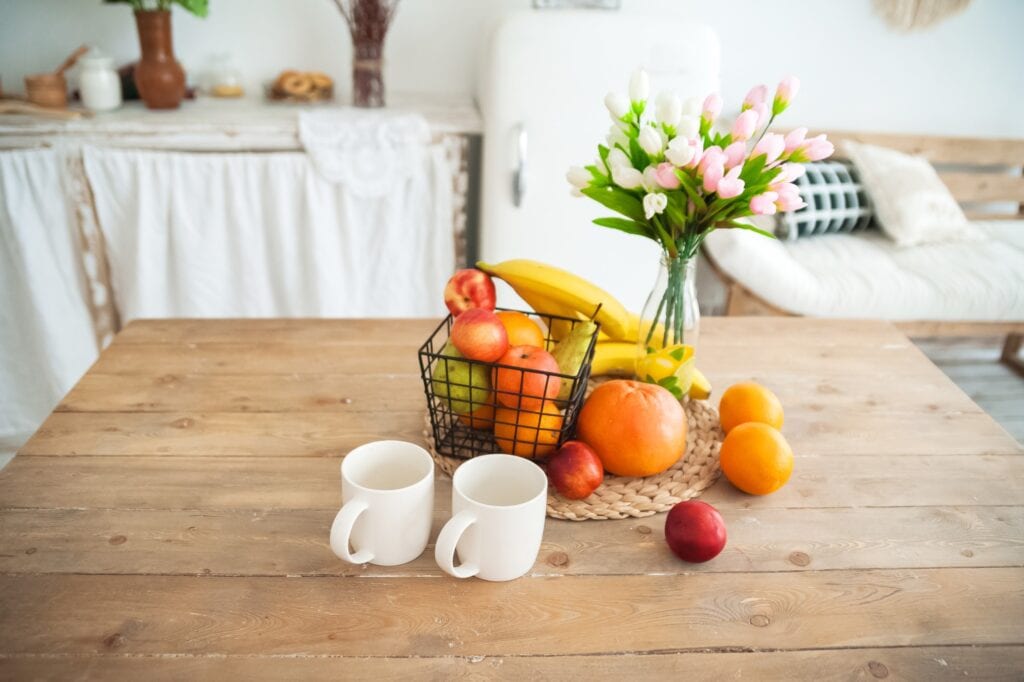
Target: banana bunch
[(551, 290)]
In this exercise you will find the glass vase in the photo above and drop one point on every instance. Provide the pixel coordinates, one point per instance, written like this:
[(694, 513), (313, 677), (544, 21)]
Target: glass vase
[(670, 326)]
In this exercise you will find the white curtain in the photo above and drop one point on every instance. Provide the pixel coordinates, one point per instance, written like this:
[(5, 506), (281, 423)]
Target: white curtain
[(46, 329), (266, 235)]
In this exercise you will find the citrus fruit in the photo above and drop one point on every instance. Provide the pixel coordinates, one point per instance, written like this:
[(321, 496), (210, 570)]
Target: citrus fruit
[(481, 419), (756, 458), (527, 433), (749, 402), (637, 429), (522, 331)]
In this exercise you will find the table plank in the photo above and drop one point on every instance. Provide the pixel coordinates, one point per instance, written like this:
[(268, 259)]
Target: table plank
[(444, 616), (154, 482), (312, 331), (290, 543), (824, 665)]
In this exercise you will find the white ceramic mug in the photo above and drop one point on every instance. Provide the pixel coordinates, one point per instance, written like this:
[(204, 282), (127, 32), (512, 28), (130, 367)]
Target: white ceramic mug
[(499, 504), (387, 494)]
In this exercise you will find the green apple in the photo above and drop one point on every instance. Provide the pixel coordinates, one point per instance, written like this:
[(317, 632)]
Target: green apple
[(463, 385)]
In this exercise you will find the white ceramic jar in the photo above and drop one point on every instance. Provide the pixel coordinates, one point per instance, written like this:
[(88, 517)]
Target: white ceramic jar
[(99, 83)]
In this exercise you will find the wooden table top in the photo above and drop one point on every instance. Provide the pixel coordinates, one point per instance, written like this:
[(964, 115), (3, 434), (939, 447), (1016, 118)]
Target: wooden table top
[(170, 519)]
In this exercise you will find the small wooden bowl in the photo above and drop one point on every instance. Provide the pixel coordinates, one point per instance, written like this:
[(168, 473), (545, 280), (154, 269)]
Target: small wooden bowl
[(47, 90)]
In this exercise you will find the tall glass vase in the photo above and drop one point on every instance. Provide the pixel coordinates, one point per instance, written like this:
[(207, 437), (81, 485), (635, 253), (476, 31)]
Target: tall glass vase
[(670, 326)]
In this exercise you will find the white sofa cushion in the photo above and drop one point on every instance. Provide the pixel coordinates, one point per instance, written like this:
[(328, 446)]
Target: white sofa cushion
[(866, 275)]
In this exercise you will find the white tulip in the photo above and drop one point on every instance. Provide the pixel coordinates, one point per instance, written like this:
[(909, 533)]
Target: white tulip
[(578, 177), (650, 141), (654, 203), (639, 86), (618, 105), (688, 126), (680, 152), (693, 106), (669, 108), (616, 137), (651, 179), (618, 159), (627, 177)]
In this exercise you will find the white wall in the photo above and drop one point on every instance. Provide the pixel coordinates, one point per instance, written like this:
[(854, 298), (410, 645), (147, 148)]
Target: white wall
[(965, 76)]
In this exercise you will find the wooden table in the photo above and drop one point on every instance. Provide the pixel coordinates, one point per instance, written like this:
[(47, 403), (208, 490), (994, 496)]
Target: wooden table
[(170, 519)]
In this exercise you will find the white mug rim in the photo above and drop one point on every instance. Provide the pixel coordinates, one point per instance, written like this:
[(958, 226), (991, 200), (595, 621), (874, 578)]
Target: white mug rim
[(361, 451), (491, 457)]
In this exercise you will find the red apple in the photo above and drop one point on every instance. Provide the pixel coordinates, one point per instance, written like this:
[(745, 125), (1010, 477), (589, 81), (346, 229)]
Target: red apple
[(535, 380), (467, 289), (695, 531), (575, 470), (479, 335)]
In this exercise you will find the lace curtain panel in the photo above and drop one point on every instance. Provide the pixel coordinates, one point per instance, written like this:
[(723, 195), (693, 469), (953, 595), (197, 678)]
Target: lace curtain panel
[(46, 328)]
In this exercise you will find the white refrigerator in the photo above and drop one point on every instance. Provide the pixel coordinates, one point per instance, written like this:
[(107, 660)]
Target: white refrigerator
[(542, 90)]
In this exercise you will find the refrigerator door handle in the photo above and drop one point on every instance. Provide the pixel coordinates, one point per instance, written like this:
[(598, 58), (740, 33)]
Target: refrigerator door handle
[(519, 174)]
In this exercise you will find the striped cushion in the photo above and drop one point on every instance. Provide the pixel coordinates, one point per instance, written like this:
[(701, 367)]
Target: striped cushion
[(836, 202)]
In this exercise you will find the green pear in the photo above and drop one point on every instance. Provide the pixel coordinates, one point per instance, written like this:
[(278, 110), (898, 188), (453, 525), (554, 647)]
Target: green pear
[(463, 385), (570, 352)]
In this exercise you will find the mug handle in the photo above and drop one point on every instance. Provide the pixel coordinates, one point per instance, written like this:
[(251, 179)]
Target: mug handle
[(341, 530), (444, 549)]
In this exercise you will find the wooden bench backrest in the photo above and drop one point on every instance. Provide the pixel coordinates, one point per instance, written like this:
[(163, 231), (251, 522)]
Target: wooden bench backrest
[(976, 170)]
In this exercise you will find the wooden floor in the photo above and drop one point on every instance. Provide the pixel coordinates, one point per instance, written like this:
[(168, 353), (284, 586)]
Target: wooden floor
[(973, 363)]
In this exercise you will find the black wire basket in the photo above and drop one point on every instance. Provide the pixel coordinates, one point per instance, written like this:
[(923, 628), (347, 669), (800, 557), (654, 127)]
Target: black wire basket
[(523, 414)]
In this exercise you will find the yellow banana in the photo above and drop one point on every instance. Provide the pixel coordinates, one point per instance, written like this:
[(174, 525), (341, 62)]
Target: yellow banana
[(557, 285), (558, 329), (613, 357)]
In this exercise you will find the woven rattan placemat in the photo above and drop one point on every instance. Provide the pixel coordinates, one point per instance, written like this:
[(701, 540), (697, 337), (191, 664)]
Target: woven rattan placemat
[(620, 497)]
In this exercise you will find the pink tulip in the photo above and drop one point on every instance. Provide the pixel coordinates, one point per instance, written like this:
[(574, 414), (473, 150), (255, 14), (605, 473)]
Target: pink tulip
[(712, 156), (735, 153), (731, 186), (764, 203), (771, 146), (712, 107), (698, 152), (713, 173), (785, 93), (813, 149), (795, 138), (763, 114), (757, 95), (745, 125), (789, 197), (790, 172), (665, 175)]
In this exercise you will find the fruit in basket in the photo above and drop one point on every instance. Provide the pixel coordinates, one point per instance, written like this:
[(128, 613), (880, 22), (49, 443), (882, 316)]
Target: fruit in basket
[(749, 402), (522, 331), (526, 377), (480, 419), (575, 470), (469, 288), (695, 531), (528, 433), (462, 385), (570, 353), (479, 335), (637, 429), (756, 458), (568, 291)]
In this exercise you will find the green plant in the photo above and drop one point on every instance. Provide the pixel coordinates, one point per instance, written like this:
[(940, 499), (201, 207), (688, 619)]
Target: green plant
[(197, 7)]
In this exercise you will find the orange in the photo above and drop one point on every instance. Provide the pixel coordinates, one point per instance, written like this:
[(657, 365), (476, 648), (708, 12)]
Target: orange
[(756, 458), (749, 402), (636, 429), (481, 419), (522, 331), (526, 433)]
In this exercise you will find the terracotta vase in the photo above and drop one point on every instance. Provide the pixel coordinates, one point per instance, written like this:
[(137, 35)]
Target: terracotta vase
[(158, 75)]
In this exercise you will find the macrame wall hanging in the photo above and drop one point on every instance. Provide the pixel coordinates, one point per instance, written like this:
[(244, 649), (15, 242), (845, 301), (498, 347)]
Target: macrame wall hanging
[(910, 15)]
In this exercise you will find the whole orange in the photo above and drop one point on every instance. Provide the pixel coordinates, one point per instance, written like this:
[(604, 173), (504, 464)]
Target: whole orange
[(756, 458), (481, 419), (637, 429), (522, 331), (749, 402), (527, 433)]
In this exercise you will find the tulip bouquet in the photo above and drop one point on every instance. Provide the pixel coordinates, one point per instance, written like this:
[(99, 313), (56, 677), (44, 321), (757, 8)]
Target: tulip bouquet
[(674, 177)]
